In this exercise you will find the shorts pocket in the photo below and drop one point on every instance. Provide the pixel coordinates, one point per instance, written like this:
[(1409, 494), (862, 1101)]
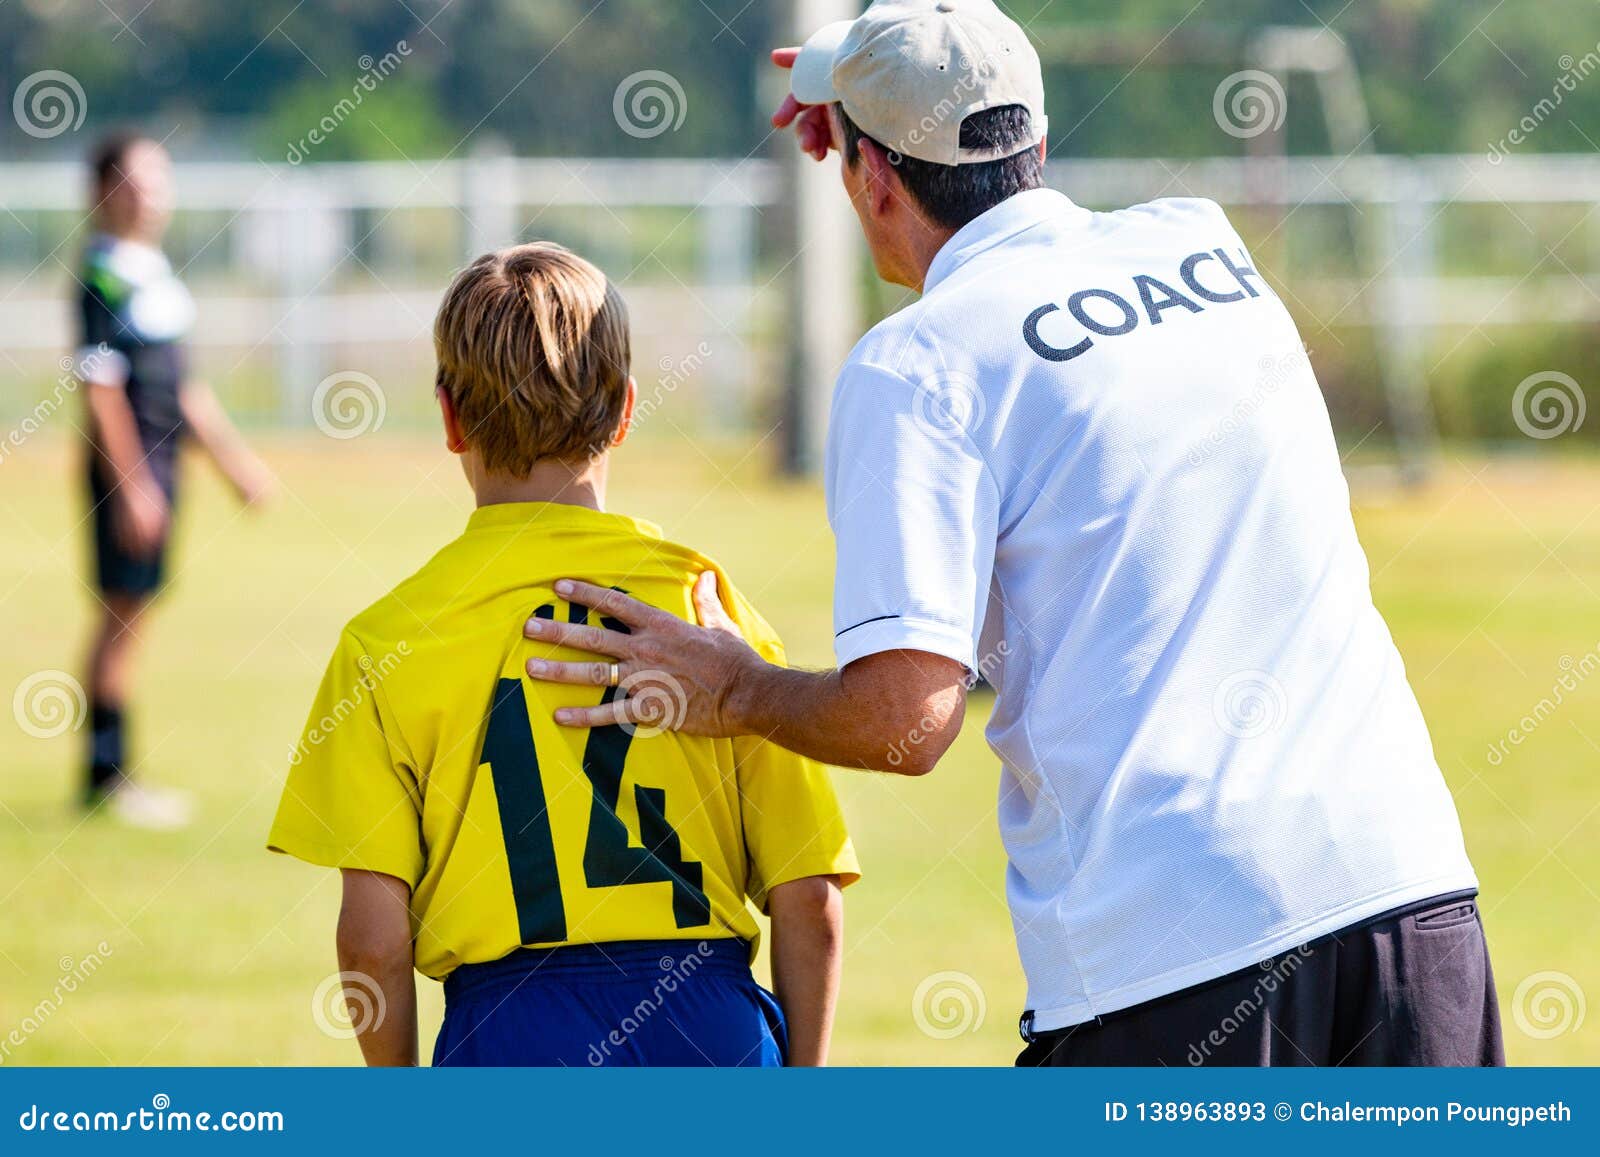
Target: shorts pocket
[(1446, 916)]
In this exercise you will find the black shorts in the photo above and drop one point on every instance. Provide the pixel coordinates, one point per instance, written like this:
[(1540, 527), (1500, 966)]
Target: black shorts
[(1410, 987), (118, 572)]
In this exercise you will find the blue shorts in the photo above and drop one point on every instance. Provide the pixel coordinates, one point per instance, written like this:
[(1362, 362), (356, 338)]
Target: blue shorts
[(637, 1002)]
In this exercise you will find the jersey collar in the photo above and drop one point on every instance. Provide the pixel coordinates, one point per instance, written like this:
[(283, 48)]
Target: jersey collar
[(1004, 221), (556, 516)]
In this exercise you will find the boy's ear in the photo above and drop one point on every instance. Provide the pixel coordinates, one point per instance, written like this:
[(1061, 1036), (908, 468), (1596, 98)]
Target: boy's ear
[(453, 439), (627, 413)]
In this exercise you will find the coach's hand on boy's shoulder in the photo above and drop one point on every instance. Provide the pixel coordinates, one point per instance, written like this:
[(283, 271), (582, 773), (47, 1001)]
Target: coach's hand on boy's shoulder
[(675, 676)]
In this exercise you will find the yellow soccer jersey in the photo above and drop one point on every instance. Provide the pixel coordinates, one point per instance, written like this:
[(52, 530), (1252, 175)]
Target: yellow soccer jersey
[(430, 756)]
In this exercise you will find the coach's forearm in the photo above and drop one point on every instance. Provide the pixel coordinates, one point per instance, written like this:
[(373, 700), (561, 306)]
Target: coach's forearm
[(807, 712), (891, 711), (896, 711)]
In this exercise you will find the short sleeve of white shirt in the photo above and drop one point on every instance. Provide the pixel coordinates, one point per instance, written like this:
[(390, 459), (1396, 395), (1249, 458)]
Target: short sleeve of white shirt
[(914, 514)]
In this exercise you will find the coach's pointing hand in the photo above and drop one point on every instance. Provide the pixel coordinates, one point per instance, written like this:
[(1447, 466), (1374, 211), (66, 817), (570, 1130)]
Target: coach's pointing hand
[(676, 676)]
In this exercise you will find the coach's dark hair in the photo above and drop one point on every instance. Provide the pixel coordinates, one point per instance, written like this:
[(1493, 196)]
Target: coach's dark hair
[(105, 158), (952, 195)]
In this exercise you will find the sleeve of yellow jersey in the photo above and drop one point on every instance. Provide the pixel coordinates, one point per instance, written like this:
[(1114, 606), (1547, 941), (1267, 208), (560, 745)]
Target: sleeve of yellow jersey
[(352, 799), (793, 825)]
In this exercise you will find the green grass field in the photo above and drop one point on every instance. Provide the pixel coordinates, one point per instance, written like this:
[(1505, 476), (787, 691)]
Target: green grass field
[(213, 948)]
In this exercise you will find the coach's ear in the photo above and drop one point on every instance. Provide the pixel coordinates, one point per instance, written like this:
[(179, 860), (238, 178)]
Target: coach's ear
[(882, 181), (453, 440), (626, 424)]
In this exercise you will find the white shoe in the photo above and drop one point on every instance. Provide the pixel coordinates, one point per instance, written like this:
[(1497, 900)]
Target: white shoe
[(155, 809)]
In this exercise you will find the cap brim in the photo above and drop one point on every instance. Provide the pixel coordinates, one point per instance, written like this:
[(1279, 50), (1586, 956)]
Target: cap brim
[(811, 79)]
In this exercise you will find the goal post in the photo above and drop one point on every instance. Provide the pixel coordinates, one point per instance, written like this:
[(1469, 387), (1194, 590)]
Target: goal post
[(824, 299)]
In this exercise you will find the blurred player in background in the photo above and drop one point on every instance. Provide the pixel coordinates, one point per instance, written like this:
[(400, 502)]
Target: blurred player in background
[(583, 896), (135, 315)]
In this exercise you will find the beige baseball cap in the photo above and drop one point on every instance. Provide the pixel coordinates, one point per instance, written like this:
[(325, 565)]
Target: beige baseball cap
[(910, 71)]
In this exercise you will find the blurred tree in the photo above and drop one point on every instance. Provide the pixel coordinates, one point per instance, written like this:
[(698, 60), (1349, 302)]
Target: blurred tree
[(397, 119), (545, 75)]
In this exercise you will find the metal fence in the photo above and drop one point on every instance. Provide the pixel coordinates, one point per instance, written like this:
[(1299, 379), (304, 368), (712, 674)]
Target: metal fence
[(305, 271)]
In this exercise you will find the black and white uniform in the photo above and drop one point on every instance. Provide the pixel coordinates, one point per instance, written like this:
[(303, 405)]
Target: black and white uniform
[(135, 315)]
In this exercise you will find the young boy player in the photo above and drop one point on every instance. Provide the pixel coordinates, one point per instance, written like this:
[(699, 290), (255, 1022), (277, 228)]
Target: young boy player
[(585, 897)]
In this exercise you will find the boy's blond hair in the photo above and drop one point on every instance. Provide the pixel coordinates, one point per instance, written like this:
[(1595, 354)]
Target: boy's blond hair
[(532, 345)]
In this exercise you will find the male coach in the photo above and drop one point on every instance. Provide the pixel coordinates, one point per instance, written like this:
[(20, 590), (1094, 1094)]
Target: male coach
[(1092, 463)]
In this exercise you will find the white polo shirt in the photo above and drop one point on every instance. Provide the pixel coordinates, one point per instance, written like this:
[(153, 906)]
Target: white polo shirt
[(1092, 463)]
